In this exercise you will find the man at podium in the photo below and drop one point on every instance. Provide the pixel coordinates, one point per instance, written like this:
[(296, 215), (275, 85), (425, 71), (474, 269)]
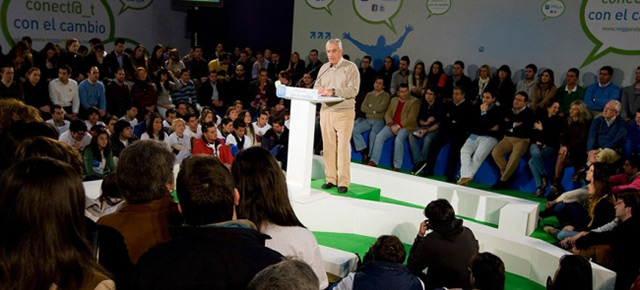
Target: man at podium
[(337, 78)]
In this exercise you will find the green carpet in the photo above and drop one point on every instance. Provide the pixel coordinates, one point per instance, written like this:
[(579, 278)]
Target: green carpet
[(355, 190), (360, 245)]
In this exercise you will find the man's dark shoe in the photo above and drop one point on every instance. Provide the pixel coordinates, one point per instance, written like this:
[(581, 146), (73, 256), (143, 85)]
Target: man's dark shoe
[(396, 169), (365, 155), (418, 167), (328, 185), (343, 189)]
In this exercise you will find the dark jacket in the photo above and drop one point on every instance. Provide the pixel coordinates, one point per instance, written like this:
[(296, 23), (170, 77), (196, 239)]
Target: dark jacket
[(464, 82), (446, 252), (112, 63), (504, 92), (624, 240), (482, 123), (508, 125), (385, 275), (271, 139), (551, 128), (205, 257)]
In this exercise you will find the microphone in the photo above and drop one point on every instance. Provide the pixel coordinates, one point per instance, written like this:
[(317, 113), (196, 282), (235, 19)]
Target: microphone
[(314, 81), (310, 73)]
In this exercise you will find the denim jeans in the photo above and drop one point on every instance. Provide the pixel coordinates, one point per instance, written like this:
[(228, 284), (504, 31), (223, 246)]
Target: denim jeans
[(563, 234), (474, 151), (419, 154), (364, 125), (536, 163), (398, 150)]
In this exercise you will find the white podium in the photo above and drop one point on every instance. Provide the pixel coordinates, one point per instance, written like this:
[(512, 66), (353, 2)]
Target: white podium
[(301, 128)]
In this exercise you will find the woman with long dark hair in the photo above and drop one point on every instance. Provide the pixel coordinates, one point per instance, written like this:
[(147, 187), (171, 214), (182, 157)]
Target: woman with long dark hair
[(47, 61), (98, 157), (154, 130), (42, 245), (156, 60), (265, 202), (544, 92), (418, 80), (436, 79), (163, 89)]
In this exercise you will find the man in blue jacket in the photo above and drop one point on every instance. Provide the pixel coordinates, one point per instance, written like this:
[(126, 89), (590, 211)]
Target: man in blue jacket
[(607, 135), (597, 95)]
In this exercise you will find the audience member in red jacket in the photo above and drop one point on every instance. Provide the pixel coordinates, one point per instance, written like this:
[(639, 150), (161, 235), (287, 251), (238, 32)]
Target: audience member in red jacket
[(209, 144), (629, 179)]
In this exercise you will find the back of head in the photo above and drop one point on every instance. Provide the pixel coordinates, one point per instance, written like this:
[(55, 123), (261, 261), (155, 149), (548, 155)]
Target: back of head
[(388, 249), (488, 272), (18, 132), (439, 212), (12, 110), (47, 147), (263, 189), (42, 223), (288, 274), (205, 190), (144, 170), (574, 273)]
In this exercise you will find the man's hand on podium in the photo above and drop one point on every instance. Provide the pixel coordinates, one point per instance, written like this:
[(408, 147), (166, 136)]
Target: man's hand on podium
[(325, 92)]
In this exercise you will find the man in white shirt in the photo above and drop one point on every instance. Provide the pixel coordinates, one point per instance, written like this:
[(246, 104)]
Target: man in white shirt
[(130, 116), (260, 126), (63, 91), (76, 136)]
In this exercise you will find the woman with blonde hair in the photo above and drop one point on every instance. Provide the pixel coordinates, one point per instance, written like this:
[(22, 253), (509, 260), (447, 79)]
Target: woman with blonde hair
[(573, 144), (179, 141), (480, 84)]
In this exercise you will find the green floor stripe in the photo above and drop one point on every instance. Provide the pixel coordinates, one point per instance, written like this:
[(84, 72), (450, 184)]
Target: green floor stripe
[(359, 244), (355, 190)]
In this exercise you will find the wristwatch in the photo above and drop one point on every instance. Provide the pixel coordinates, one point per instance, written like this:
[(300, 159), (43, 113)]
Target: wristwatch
[(333, 92)]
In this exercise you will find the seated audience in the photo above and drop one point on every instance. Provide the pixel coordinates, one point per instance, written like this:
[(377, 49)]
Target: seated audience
[(382, 269), (600, 210), (285, 275), (417, 81), (485, 134), (180, 142), (210, 144), (446, 251), (528, 84), (374, 107), (143, 93), (487, 272), (276, 140), (544, 92), (63, 91), (130, 115), (227, 252), (250, 132), (572, 207), (628, 179), (260, 126), (400, 118), (145, 178), (517, 125), (9, 88), (630, 99), (43, 244), (265, 201), (458, 78), (632, 142), (480, 85), (545, 141), (122, 137), (429, 118), (599, 94), (92, 93), (569, 92), (225, 128), (437, 80), (503, 87), (238, 138), (154, 130), (57, 119), (454, 129), (574, 272), (36, 93), (98, 157), (118, 94), (77, 135), (606, 135), (573, 144), (163, 88), (623, 240)]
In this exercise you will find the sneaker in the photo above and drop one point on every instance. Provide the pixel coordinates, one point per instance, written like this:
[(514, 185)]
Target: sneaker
[(418, 167)]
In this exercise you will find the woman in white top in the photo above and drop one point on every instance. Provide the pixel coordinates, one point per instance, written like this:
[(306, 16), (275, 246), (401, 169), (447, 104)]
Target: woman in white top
[(265, 202), (154, 130), (179, 141)]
